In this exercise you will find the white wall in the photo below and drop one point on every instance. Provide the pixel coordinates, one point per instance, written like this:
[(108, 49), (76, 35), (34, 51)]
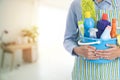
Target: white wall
[(15, 15), (57, 3)]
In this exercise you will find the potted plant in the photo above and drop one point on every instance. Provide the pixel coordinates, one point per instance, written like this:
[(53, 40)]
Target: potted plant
[(31, 34)]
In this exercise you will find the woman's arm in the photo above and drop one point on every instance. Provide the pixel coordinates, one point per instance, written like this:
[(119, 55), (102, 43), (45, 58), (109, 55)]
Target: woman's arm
[(71, 33)]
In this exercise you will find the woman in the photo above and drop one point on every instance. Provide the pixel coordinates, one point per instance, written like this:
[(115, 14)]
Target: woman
[(84, 70)]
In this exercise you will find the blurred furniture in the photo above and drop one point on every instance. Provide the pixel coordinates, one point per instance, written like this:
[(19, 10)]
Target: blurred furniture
[(27, 55), (11, 48)]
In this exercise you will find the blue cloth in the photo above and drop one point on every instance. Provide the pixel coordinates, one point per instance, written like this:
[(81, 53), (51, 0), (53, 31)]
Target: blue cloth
[(74, 15)]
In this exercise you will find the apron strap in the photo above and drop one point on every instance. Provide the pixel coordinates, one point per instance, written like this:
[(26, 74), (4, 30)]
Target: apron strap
[(114, 4)]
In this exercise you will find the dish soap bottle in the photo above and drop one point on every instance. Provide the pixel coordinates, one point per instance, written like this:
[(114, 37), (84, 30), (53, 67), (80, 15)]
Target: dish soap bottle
[(88, 23)]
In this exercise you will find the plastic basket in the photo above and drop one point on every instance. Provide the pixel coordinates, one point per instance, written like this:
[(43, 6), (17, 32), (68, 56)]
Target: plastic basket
[(99, 44)]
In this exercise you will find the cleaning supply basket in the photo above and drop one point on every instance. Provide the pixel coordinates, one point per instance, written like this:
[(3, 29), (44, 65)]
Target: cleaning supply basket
[(99, 44)]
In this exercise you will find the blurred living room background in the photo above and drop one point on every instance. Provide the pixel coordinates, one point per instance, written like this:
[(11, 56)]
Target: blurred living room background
[(31, 40)]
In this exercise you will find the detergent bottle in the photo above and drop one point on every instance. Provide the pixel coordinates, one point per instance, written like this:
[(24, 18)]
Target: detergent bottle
[(88, 23), (113, 31), (102, 24)]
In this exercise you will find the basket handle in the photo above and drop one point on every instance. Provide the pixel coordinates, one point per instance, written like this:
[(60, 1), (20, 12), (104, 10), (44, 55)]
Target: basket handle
[(88, 43)]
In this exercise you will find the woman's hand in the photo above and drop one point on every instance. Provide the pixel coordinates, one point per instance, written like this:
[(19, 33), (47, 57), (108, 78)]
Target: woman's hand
[(86, 51), (112, 53)]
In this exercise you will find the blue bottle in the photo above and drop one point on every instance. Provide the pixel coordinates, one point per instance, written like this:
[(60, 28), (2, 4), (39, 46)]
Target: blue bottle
[(88, 23)]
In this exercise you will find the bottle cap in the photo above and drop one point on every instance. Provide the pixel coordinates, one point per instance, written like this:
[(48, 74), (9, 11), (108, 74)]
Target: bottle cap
[(87, 14), (114, 20), (104, 16)]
